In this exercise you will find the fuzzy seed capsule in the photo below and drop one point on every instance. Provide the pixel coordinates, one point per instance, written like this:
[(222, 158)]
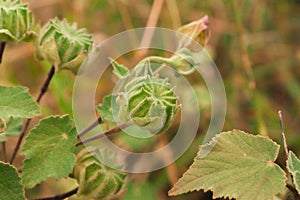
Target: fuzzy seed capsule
[(97, 181), (63, 45), (149, 102), (16, 22)]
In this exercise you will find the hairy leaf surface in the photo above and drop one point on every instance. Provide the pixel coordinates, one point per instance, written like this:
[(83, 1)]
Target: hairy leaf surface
[(10, 183), (48, 149), (239, 165)]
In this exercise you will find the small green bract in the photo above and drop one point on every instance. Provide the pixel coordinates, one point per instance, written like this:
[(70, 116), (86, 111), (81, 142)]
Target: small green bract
[(16, 21), (63, 45)]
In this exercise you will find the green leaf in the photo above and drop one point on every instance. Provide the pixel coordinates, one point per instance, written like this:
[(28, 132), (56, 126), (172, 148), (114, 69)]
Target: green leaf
[(10, 183), (239, 165), (15, 101), (48, 149), (105, 109), (293, 165), (14, 126), (120, 70)]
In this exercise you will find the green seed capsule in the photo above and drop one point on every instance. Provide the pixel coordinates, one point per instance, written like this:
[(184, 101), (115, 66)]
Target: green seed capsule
[(16, 21), (97, 181), (63, 45), (148, 101)]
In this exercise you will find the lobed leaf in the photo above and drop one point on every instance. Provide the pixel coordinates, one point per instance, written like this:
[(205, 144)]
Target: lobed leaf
[(10, 183), (105, 109), (16, 102), (49, 150), (120, 70), (239, 166)]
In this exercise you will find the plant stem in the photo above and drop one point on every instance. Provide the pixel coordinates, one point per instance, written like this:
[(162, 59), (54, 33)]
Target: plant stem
[(116, 129), (90, 127), (4, 151), (293, 190), (283, 135), (61, 196), (38, 99), (2, 47), (46, 84)]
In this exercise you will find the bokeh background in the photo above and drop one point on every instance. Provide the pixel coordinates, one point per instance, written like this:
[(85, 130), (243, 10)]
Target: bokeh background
[(254, 43)]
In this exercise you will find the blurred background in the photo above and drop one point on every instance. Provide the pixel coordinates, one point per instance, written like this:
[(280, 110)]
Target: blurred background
[(254, 43)]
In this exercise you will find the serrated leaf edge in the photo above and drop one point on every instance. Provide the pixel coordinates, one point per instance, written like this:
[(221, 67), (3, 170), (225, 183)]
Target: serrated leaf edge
[(213, 141)]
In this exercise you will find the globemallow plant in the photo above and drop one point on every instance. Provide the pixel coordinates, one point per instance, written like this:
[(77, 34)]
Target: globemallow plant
[(16, 23), (63, 45), (97, 181)]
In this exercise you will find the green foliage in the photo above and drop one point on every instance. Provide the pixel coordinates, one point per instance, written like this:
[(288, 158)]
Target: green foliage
[(10, 183), (239, 165), (49, 150), (293, 165), (120, 70), (16, 21), (105, 109), (16, 102), (149, 101), (97, 181), (13, 128), (63, 45)]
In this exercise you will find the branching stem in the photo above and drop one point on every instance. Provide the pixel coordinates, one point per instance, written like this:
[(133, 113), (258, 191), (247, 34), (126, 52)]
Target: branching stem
[(90, 127), (116, 129), (43, 90)]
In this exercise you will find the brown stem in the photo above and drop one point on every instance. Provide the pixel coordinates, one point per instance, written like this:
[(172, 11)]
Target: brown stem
[(90, 127), (2, 47), (38, 99), (293, 190), (116, 129), (22, 135), (46, 84), (60, 196), (4, 151)]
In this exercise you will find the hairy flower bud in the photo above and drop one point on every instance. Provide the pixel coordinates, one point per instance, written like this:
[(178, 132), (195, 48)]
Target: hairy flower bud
[(148, 101), (197, 31), (16, 21), (97, 181), (63, 45)]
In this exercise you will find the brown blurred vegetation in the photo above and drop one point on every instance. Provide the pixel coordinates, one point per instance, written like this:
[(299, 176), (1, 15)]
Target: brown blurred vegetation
[(255, 44)]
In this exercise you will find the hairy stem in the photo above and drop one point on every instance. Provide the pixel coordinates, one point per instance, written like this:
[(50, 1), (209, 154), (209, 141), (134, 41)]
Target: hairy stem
[(61, 196), (2, 47), (116, 129), (43, 90), (90, 127)]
